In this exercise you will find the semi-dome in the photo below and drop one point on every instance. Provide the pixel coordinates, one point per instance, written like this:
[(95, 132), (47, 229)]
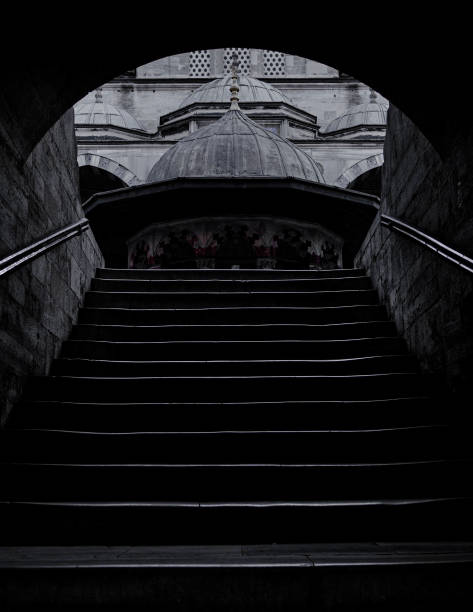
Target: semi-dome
[(101, 113), (363, 115), (251, 90), (235, 146)]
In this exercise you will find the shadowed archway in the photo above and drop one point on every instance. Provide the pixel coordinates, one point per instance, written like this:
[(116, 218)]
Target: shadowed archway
[(95, 180), (118, 175), (369, 182), (354, 172)]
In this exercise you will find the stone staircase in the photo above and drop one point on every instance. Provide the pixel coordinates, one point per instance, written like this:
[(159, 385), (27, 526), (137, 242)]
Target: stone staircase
[(228, 407)]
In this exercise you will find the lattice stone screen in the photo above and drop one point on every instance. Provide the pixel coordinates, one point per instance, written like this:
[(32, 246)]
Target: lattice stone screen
[(199, 63), (243, 57), (274, 63)]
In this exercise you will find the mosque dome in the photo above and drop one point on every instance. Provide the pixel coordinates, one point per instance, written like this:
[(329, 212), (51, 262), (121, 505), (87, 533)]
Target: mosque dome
[(235, 146), (363, 115), (251, 90), (100, 113)]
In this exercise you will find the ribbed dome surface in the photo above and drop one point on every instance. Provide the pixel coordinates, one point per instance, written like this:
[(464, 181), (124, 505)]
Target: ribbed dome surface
[(251, 90), (100, 113), (235, 146), (372, 113)]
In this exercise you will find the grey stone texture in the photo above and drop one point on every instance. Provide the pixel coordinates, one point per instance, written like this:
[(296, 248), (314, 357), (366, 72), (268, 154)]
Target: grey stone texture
[(430, 299), (39, 302), (162, 86), (216, 63)]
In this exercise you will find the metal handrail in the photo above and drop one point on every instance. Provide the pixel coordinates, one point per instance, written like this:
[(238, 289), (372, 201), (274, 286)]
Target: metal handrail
[(36, 249), (427, 241)]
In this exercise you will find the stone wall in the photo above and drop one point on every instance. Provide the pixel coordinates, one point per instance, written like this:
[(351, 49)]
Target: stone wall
[(430, 299), (214, 63), (147, 99), (39, 302)]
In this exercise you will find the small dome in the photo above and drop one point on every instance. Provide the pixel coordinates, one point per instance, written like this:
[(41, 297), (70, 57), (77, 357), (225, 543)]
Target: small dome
[(372, 113), (251, 90), (100, 113), (235, 146)]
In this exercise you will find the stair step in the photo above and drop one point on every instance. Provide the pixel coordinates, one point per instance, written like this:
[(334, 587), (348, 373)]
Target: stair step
[(234, 349), (272, 331), (229, 406), (239, 388), (179, 299), (232, 482), (253, 415), (356, 445), (299, 556), (402, 520), (228, 285), (251, 578), (234, 315), (222, 274), (270, 367)]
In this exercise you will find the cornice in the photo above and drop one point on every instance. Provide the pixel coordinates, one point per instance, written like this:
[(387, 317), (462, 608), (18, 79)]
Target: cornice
[(190, 109), (195, 183), (199, 80)]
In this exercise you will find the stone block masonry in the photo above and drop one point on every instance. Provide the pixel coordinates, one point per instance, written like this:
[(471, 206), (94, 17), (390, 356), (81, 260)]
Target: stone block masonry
[(430, 299), (39, 302)]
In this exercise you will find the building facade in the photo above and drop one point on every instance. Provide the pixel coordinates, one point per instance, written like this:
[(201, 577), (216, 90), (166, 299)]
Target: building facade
[(124, 128)]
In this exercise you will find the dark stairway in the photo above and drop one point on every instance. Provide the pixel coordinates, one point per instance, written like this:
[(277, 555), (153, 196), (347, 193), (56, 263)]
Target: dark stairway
[(235, 407)]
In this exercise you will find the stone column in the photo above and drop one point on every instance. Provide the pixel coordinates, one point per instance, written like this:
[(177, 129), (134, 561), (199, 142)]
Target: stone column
[(216, 63), (257, 63)]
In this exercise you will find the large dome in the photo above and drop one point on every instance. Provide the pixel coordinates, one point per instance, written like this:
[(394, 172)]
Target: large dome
[(372, 113), (235, 146), (251, 90), (100, 113)]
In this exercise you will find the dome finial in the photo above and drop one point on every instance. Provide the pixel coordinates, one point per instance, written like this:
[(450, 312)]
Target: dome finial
[(98, 95), (234, 89), (373, 95)]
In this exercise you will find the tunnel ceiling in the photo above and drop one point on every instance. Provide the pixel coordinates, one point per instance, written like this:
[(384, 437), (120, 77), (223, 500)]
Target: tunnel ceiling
[(59, 60)]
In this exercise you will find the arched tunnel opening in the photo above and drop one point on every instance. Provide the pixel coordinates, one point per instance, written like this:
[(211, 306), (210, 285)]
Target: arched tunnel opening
[(235, 349)]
